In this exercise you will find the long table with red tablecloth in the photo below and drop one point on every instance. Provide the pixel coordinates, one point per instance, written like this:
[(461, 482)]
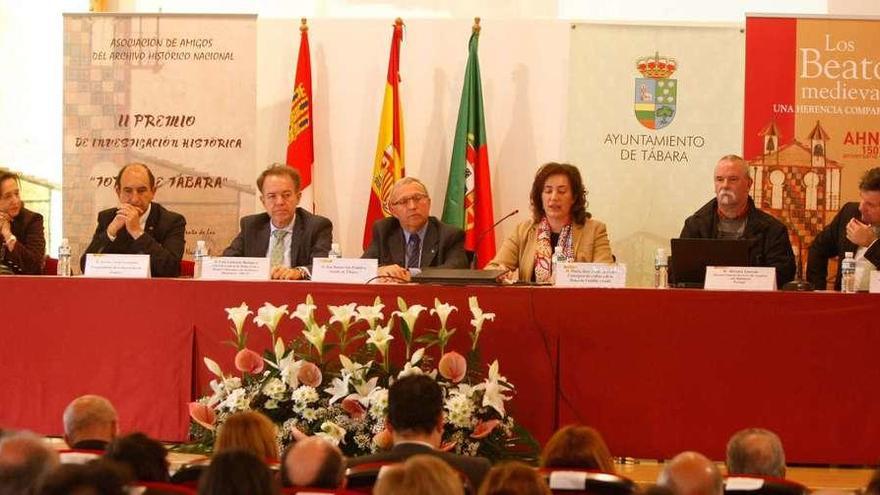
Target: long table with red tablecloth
[(656, 371)]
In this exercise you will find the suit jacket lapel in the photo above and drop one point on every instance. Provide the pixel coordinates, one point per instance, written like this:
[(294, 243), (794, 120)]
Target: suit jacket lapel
[(297, 234), (152, 220), (396, 245), (261, 239), (431, 244)]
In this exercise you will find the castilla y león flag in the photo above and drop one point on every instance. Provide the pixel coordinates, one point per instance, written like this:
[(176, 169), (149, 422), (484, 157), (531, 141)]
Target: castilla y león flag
[(388, 164), (300, 142), (468, 202)]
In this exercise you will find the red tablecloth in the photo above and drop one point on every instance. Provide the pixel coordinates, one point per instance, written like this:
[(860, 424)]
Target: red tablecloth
[(656, 371)]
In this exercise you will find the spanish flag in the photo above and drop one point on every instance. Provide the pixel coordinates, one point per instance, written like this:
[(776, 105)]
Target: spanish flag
[(388, 162), (300, 141)]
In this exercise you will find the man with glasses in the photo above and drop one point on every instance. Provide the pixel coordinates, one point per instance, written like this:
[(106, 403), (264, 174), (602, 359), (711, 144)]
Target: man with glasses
[(411, 239), (286, 234), (22, 240)]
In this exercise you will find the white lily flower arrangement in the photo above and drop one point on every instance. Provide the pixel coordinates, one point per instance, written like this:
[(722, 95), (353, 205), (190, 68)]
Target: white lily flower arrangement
[(332, 379)]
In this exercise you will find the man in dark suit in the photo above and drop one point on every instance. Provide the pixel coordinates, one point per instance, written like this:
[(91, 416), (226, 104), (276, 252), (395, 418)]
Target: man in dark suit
[(139, 226), (415, 418), (855, 228), (22, 240), (286, 234), (412, 238), (732, 214)]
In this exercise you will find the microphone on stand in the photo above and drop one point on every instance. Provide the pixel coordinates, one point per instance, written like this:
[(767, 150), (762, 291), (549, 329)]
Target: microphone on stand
[(483, 234)]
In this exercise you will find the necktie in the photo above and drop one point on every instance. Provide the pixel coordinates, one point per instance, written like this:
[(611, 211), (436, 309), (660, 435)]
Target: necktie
[(412, 251), (276, 258)]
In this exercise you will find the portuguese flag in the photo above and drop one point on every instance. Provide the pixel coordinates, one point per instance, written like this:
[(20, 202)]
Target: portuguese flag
[(468, 202), (388, 162)]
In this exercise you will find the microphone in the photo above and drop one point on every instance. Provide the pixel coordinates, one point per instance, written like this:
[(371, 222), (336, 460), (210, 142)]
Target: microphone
[(483, 234)]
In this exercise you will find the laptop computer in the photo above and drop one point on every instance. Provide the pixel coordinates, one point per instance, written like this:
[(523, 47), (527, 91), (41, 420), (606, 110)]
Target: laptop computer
[(457, 276), (690, 257)]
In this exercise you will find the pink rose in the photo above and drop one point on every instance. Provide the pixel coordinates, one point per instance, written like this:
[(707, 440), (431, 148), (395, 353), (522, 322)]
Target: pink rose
[(309, 375), (384, 440), (248, 361), (453, 366), (484, 428), (353, 407), (448, 446), (202, 414)]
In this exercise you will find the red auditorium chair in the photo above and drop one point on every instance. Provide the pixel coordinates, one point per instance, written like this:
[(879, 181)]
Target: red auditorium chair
[(570, 481), (157, 488), (762, 485)]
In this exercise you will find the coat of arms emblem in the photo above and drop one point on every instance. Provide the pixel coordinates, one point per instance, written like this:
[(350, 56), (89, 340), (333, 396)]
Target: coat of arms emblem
[(655, 93)]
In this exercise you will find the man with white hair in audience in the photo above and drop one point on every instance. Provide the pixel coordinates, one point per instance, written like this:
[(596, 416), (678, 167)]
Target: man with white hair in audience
[(25, 461), (315, 463), (757, 452), (90, 423), (691, 473)]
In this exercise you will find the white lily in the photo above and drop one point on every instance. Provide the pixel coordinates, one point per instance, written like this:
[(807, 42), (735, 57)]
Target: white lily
[(269, 316), (238, 315), (494, 390), (479, 317), (417, 356), (289, 368), (279, 349), (380, 337), (315, 335), (410, 315), (371, 314), (408, 370), (332, 432), (356, 370), (213, 367), (442, 310), (365, 388), (338, 389), (305, 312), (343, 315)]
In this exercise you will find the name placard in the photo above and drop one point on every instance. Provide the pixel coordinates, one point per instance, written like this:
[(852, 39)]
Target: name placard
[(595, 275), (344, 270), (117, 265), (220, 268), (740, 278), (874, 282)]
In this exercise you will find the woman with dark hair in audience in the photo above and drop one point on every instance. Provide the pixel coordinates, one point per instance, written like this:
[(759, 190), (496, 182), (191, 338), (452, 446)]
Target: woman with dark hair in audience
[(98, 477), (420, 475), (237, 472), (577, 446), (514, 478), (559, 218), (250, 431), (146, 457)]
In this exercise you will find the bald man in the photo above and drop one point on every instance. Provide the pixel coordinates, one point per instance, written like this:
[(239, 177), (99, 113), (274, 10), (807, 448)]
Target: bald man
[(691, 473), (137, 225), (315, 463), (755, 451), (25, 461), (732, 214), (90, 423)]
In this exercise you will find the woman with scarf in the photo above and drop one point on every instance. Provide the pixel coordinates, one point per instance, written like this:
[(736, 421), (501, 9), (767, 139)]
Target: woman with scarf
[(559, 218)]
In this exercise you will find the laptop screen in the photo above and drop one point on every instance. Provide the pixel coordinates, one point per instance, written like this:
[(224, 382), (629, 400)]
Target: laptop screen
[(690, 257)]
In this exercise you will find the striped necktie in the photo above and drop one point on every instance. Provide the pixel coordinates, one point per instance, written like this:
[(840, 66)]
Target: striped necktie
[(412, 251)]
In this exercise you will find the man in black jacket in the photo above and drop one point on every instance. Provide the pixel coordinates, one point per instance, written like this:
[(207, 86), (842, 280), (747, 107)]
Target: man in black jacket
[(286, 234), (732, 214), (412, 238), (22, 240), (139, 226), (855, 229)]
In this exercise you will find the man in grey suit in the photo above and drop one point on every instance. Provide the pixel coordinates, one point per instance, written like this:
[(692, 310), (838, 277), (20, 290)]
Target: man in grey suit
[(415, 418), (412, 238), (286, 234)]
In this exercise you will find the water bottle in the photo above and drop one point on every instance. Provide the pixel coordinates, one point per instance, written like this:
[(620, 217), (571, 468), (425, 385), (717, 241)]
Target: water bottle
[(558, 257), (198, 256), (64, 258), (848, 273), (335, 252), (661, 269)]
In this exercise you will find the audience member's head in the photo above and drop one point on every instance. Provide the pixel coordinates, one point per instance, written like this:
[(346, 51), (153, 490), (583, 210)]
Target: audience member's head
[(100, 477), (415, 409), (419, 475), (145, 457), (873, 487), (250, 431), (234, 472), (316, 463), (755, 451), (514, 478), (25, 461), (90, 422), (691, 473), (577, 446)]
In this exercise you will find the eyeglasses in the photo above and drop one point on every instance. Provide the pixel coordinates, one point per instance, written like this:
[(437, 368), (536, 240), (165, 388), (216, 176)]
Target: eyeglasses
[(416, 198)]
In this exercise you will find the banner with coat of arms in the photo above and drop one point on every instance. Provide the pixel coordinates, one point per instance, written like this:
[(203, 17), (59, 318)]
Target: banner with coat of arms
[(652, 109)]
